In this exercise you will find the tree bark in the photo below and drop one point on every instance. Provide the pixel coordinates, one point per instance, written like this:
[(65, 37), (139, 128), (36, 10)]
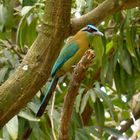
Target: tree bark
[(34, 71)]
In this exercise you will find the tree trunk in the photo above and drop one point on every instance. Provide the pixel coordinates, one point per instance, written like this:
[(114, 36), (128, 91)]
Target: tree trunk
[(34, 71)]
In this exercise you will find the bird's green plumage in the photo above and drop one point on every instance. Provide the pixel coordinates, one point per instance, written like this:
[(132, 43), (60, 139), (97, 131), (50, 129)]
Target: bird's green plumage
[(66, 53), (47, 96), (71, 53)]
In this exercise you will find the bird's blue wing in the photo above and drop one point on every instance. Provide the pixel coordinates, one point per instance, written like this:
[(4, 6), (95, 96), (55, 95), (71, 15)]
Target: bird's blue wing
[(66, 53)]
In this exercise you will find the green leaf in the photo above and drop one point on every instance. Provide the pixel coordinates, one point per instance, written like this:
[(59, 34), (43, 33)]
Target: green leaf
[(136, 63), (125, 60), (98, 47), (11, 59), (109, 62), (109, 76), (5, 134), (118, 80), (78, 100), (32, 31), (84, 102), (37, 132), (33, 106), (6, 16), (117, 17), (92, 95), (22, 35), (119, 103), (123, 78), (127, 83), (129, 15), (28, 2), (109, 47), (105, 67), (3, 72), (86, 133), (26, 10), (89, 5), (130, 42), (115, 61), (99, 113), (105, 98), (137, 81), (130, 86), (125, 114), (3, 16), (28, 116), (12, 127), (82, 136), (114, 132)]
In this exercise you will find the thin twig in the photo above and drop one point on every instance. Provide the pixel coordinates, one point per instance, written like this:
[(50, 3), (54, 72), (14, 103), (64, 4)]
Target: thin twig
[(51, 117), (26, 134), (77, 77), (10, 46)]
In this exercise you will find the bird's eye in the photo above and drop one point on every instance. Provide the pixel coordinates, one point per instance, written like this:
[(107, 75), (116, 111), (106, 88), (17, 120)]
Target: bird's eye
[(90, 30)]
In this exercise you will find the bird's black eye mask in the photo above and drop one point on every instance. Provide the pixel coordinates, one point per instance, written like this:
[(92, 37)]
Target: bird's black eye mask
[(91, 30)]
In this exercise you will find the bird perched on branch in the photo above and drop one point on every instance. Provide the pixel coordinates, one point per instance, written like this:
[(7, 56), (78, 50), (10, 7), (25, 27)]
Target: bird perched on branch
[(70, 55)]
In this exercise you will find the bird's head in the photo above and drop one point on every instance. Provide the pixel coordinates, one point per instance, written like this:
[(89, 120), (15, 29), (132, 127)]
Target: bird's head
[(91, 29)]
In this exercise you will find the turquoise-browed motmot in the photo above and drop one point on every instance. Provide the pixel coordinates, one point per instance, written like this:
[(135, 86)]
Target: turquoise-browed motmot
[(70, 54)]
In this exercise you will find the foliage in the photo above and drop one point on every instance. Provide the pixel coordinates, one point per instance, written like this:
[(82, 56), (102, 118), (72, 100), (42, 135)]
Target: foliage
[(110, 82)]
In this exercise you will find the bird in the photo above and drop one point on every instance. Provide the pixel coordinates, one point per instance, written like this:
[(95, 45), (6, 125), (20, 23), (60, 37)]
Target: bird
[(69, 56)]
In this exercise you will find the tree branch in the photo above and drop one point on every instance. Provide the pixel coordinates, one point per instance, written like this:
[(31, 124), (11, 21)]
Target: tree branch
[(52, 117), (77, 78), (34, 71), (104, 10)]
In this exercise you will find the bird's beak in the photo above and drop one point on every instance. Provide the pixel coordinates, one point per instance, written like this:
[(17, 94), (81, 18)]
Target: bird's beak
[(99, 33)]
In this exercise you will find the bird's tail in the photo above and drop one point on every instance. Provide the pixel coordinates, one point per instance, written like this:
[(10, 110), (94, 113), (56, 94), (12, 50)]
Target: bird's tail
[(47, 97)]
